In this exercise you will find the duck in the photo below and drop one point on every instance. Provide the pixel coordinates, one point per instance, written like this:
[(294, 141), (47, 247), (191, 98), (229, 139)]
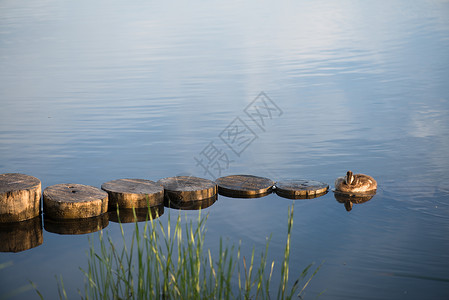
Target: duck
[(355, 184)]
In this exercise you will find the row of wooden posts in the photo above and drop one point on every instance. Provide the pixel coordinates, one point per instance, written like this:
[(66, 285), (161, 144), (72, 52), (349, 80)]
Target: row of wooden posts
[(80, 209), (20, 194)]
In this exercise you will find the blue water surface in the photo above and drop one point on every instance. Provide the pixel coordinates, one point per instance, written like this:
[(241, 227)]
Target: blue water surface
[(92, 91)]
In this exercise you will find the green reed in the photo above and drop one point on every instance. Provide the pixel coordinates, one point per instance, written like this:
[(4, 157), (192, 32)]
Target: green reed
[(165, 262)]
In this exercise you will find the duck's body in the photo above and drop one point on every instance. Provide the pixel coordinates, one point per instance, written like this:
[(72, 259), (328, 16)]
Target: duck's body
[(355, 183)]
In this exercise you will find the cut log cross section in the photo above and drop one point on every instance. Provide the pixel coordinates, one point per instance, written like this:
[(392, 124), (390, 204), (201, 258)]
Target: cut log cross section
[(188, 188), (301, 189), (74, 201), (244, 186), (137, 193)]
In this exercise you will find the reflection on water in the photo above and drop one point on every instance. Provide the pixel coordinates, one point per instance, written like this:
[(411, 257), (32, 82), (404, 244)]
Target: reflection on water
[(21, 236), (297, 197), (348, 200), (92, 92), (76, 226), (129, 215), (191, 205), (240, 195)]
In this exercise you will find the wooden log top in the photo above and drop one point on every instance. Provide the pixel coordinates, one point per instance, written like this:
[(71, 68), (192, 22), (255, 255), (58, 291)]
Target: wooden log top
[(188, 188), (132, 186), (71, 192), (244, 185), (15, 182), (186, 184), (301, 188)]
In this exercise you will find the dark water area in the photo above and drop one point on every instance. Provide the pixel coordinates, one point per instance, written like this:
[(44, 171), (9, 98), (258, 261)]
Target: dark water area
[(96, 91)]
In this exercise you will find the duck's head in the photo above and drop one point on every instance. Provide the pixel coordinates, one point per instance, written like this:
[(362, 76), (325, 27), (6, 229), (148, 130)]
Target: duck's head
[(349, 179)]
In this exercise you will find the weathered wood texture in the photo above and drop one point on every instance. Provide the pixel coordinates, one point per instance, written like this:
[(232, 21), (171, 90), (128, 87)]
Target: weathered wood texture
[(244, 186), (301, 189), (137, 193), (21, 236), (188, 188), (74, 201), (192, 205), (20, 197), (76, 226), (126, 215)]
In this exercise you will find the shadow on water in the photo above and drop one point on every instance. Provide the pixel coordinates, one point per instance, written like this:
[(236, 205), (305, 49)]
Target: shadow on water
[(191, 205), (242, 195), (405, 275), (128, 215), (21, 236), (76, 226), (299, 197)]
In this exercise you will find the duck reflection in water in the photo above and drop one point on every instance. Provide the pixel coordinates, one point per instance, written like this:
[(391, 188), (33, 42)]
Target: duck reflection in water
[(349, 200)]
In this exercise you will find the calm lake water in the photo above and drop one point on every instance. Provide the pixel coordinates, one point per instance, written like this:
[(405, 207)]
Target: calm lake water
[(96, 91)]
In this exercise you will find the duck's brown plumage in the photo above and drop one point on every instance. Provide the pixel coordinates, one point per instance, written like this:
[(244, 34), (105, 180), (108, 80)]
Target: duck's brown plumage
[(355, 183)]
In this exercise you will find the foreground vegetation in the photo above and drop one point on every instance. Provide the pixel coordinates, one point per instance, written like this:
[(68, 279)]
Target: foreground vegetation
[(171, 263)]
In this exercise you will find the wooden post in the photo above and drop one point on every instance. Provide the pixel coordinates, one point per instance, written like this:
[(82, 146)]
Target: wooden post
[(188, 188), (137, 193), (74, 201), (244, 186), (301, 189), (20, 197)]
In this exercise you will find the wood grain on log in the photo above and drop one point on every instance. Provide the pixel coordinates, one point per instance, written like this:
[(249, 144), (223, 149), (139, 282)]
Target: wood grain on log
[(301, 189), (20, 197), (74, 201), (137, 193), (244, 186), (188, 188)]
